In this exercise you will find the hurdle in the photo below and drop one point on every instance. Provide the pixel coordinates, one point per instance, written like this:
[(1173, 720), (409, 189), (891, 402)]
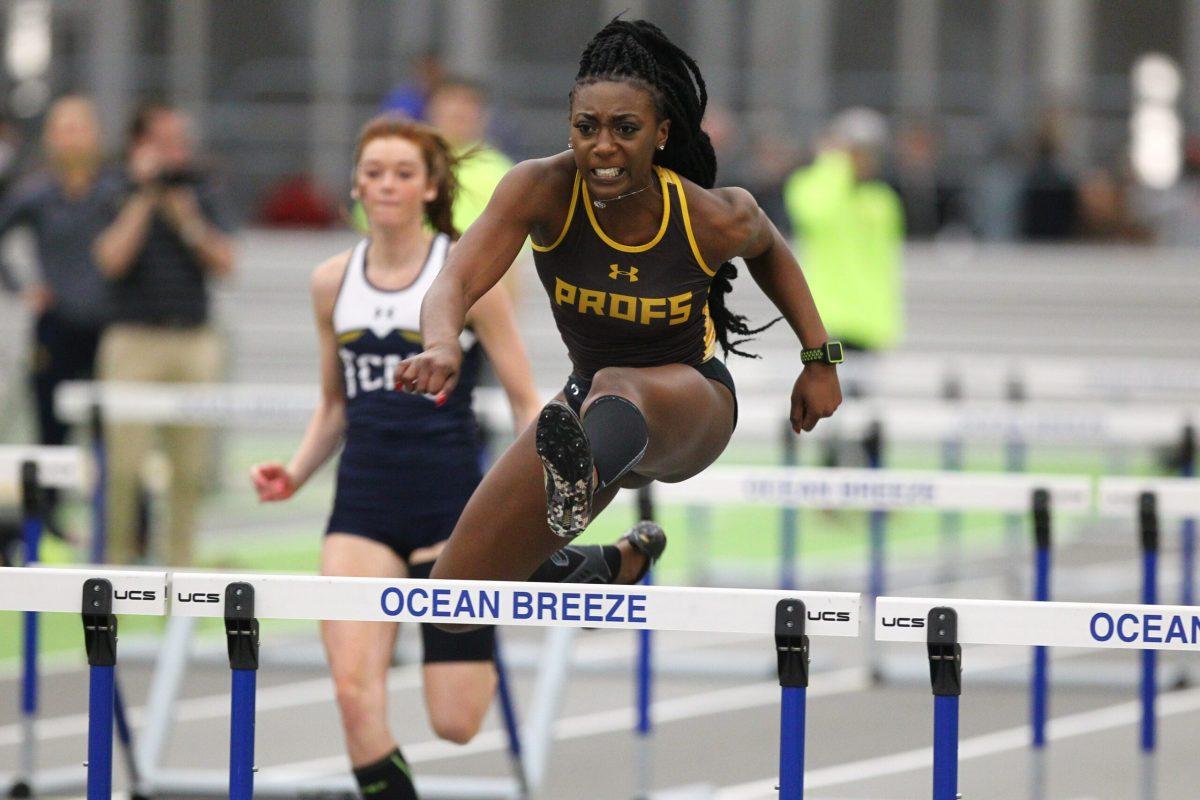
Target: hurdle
[(1146, 501), (259, 407), (1014, 425), (97, 595), (944, 625), (925, 375), (878, 491), (789, 618), (241, 600), (24, 472)]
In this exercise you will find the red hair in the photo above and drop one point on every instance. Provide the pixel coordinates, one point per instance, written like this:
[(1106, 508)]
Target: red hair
[(439, 162)]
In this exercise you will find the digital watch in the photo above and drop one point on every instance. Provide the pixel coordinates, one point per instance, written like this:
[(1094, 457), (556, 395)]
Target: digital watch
[(828, 353)]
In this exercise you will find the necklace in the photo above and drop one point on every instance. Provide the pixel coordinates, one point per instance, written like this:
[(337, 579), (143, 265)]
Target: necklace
[(604, 203)]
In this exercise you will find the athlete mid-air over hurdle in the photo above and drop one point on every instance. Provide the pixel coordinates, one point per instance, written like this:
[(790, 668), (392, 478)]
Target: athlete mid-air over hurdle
[(632, 246)]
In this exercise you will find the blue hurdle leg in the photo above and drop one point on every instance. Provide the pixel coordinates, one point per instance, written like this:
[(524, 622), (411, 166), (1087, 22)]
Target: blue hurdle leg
[(241, 739), (791, 743), (1041, 593), (100, 643), (31, 530), (791, 652), (945, 677), (1148, 528), (241, 635), (1149, 687), (645, 677), (945, 747), (100, 733)]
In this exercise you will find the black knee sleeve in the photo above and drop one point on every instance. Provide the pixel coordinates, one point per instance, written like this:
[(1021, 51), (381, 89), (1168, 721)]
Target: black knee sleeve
[(618, 436), (440, 646)]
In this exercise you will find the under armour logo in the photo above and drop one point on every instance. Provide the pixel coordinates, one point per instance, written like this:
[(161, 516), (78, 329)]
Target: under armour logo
[(383, 311), (631, 273)]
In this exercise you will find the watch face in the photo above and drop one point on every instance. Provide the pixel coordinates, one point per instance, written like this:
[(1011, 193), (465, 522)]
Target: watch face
[(834, 351)]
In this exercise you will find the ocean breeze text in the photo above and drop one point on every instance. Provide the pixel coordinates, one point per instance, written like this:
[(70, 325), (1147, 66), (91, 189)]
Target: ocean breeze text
[(484, 605)]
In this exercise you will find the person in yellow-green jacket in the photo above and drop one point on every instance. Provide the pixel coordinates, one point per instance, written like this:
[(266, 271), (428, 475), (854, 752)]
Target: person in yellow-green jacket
[(458, 108), (849, 229)]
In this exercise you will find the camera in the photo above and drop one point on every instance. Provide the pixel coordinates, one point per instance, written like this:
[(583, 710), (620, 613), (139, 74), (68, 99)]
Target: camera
[(180, 177)]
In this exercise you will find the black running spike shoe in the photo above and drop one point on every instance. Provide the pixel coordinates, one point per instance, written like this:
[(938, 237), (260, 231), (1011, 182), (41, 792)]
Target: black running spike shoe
[(649, 539), (566, 456)]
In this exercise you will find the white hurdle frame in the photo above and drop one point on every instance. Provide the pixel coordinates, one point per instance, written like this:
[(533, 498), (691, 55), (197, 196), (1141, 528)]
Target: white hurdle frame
[(879, 490), (24, 471), (270, 406), (1013, 622), (36, 590), (788, 617)]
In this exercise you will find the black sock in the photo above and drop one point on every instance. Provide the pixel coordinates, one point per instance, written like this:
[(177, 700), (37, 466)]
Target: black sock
[(618, 436), (587, 563), (390, 778)]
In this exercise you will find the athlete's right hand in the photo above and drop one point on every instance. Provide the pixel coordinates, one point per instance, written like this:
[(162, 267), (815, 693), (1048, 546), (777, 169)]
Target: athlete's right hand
[(272, 481), (432, 371)]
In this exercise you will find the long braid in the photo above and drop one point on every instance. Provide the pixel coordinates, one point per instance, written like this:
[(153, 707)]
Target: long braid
[(639, 52)]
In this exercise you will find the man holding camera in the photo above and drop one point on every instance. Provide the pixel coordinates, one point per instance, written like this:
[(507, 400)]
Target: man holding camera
[(166, 239)]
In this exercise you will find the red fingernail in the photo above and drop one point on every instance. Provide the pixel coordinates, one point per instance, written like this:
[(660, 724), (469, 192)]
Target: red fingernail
[(440, 400)]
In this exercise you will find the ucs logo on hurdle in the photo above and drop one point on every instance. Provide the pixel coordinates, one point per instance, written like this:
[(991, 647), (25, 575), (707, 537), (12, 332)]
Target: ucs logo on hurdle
[(198, 597), (135, 594)]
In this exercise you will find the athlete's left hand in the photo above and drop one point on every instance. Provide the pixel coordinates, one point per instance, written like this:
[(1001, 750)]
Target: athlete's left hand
[(815, 395)]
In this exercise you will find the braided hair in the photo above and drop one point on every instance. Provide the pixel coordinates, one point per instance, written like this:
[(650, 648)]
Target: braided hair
[(639, 53)]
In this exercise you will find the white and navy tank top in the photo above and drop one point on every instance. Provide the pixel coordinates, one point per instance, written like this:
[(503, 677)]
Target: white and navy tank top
[(376, 329)]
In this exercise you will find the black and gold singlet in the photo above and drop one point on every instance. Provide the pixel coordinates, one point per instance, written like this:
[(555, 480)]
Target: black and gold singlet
[(622, 305)]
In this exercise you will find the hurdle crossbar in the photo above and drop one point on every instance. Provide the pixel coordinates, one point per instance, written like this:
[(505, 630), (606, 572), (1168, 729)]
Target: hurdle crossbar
[(675, 608), (871, 490), (1175, 497), (1052, 624), (58, 466), (45, 589)]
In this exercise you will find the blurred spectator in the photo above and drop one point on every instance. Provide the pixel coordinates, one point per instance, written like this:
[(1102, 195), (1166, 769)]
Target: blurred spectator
[(167, 238), (1050, 198), (926, 199), (63, 207), (850, 227), (1104, 210), (772, 159), (722, 129), (411, 96), (458, 108), (994, 193)]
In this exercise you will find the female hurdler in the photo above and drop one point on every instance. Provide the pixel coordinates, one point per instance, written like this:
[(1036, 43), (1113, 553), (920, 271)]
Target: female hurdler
[(631, 245)]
